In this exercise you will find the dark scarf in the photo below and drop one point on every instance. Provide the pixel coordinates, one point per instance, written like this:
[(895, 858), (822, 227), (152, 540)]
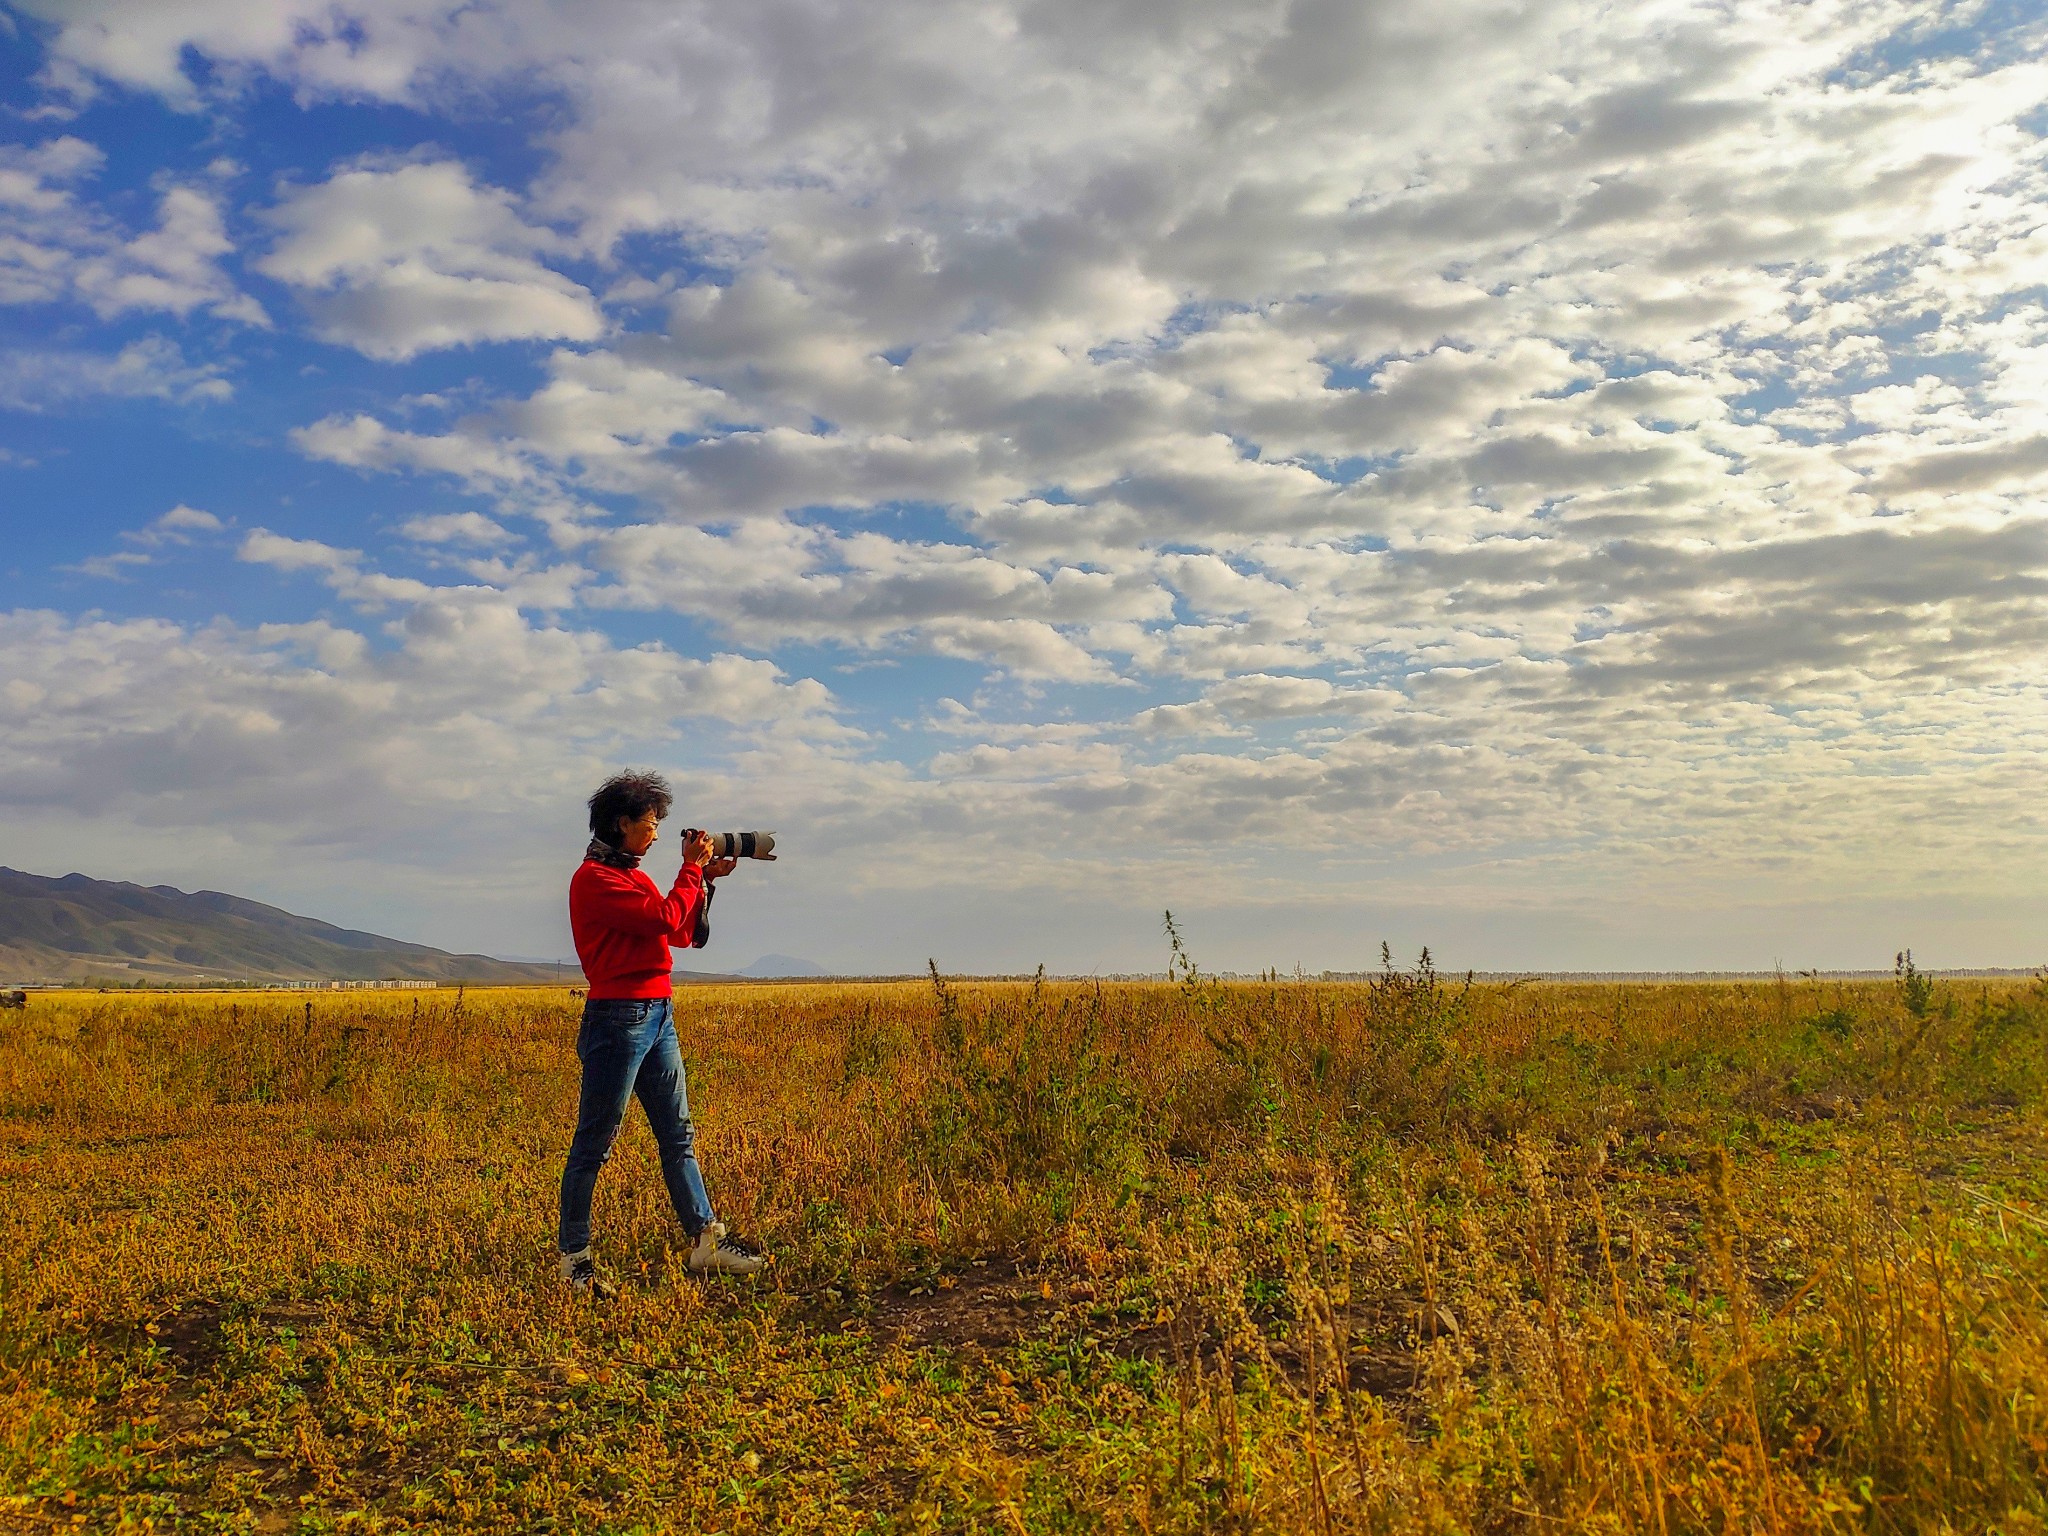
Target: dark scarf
[(602, 852)]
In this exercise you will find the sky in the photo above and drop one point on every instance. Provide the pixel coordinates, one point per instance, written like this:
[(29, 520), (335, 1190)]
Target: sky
[(1556, 482)]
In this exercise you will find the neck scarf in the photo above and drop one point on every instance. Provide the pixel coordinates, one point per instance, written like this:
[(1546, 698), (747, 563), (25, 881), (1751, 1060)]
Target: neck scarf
[(604, 853)]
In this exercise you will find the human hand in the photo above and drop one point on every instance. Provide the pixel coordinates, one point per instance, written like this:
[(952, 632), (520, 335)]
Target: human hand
[(697, 849), (719, 868)]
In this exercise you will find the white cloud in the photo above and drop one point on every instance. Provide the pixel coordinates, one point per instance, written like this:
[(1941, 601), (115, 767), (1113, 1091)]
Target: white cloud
[(182, 520), (314, 730), (152, 368), (55, 246), (399, 260), (144, 45), (176, 528), (113, 566), (173, 267), (362, 442), (457, 528), (769, 583)]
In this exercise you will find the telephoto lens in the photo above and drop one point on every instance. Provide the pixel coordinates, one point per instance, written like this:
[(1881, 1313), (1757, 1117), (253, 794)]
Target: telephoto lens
[(742, 845)]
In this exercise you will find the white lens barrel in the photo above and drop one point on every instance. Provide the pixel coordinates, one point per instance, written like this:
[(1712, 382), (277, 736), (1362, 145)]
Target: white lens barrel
[(742, 845)]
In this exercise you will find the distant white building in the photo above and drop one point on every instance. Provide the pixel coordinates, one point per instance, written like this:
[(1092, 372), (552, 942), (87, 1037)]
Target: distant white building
[(358, 986)]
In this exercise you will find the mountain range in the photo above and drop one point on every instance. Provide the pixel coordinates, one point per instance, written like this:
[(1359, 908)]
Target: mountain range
[(75, 928)]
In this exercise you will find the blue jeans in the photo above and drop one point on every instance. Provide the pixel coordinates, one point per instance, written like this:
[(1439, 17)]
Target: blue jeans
[(629, 1048)]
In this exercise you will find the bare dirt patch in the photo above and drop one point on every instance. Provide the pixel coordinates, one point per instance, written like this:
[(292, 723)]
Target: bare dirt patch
[(990, 1305)]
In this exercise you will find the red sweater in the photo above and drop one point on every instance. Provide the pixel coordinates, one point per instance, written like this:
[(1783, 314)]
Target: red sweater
[(623, 927)]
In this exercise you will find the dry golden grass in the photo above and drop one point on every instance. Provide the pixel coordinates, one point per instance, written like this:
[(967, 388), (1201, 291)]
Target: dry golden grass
[(1400, 1257)]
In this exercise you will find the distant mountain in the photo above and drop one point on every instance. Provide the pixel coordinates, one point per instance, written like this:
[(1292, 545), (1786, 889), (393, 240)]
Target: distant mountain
[(75, 928), (782, 965)]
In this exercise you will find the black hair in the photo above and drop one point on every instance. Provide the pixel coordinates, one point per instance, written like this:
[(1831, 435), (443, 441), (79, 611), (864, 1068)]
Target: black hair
[(628, 796)]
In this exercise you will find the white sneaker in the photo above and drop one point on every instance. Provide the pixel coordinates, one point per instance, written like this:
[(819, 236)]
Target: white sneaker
[(580, 1270), (718, 1253)]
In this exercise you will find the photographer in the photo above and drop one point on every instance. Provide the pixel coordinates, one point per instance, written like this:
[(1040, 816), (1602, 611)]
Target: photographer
[(623, 927)]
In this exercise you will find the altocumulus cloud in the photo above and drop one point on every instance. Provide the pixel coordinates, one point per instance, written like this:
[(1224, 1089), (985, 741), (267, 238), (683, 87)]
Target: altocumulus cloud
[(1552, 454)]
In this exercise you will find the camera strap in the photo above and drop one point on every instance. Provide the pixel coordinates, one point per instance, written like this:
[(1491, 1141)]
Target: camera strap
[(703, 929)]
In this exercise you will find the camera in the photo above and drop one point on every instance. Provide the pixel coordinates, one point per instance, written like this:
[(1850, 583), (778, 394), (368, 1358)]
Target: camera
[(736, 845)]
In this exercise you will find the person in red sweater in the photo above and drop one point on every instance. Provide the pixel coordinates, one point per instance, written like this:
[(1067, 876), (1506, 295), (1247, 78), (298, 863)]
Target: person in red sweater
[(624, 927)]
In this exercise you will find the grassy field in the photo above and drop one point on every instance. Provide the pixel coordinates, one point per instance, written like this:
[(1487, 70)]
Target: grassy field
[(1406, 1256)]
